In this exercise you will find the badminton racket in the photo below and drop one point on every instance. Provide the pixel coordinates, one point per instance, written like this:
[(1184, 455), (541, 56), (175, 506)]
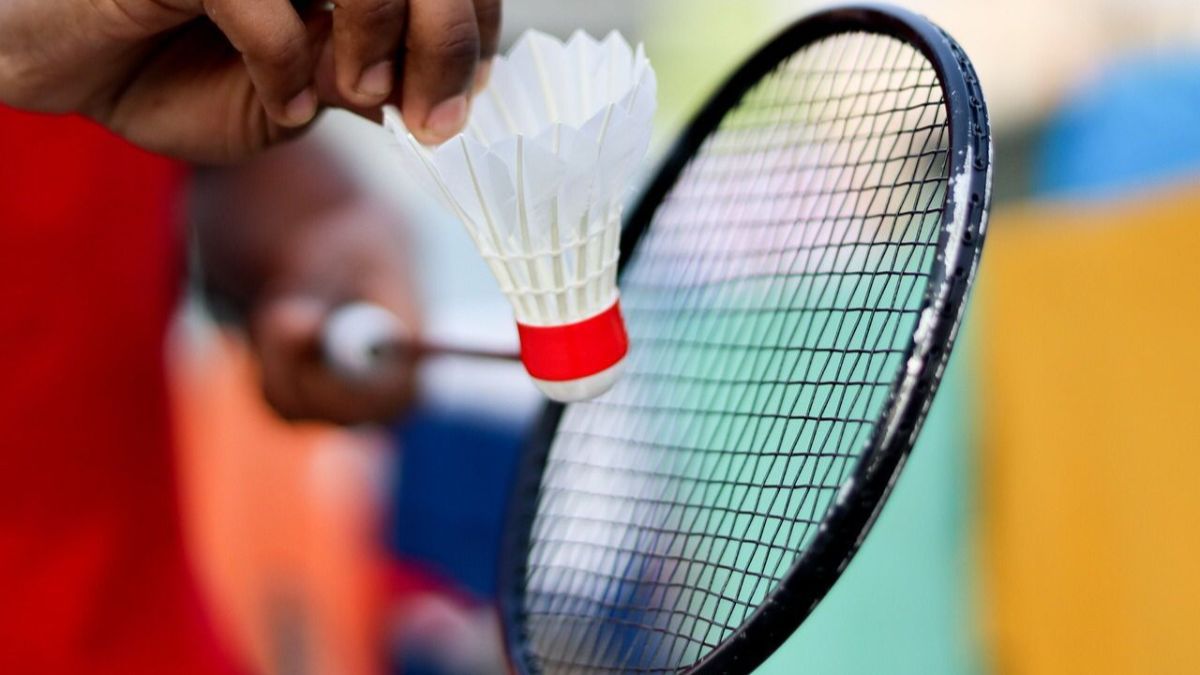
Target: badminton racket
[(793, 280)]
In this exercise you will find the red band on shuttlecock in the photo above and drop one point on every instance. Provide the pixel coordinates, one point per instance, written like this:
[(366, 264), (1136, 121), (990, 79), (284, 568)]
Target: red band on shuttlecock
[(576, 350)]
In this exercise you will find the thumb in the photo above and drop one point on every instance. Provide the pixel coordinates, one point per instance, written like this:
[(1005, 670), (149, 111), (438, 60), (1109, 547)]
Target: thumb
[(290, 325), (285, 333)]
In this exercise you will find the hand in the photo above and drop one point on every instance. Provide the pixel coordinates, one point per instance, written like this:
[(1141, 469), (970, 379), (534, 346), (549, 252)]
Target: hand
[(217, 80), (352, 255), (285, 240)]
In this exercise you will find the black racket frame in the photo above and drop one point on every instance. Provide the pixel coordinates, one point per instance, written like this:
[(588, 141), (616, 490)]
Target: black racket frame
[(850, 518)]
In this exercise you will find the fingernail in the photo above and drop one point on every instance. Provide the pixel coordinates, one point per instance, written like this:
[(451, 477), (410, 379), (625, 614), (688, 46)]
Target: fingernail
[(447, 118), (301, 109), (482, 74), (376, 81)]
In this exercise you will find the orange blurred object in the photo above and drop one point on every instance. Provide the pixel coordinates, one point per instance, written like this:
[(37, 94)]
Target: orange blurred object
[(282, 520)]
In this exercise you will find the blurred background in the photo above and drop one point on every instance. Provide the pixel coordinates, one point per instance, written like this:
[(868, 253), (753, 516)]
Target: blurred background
[(1048, 520)]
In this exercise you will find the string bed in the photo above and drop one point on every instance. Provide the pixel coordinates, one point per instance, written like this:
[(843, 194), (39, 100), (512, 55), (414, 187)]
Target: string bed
[(769, 307)]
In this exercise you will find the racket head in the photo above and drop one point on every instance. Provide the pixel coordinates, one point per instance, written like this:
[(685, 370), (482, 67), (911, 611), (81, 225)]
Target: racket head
[(602, 574)]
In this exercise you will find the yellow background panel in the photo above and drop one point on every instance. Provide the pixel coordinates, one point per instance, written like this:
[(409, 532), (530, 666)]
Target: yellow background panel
[(1090, 393)]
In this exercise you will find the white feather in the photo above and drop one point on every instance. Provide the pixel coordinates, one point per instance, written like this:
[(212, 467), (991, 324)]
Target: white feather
[(542, 171)]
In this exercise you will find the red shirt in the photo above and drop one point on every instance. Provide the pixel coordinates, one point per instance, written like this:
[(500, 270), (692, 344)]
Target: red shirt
[(93, 577)]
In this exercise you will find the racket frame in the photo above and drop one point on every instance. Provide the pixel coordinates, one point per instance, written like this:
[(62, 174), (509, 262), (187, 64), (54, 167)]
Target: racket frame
[(857, 506)]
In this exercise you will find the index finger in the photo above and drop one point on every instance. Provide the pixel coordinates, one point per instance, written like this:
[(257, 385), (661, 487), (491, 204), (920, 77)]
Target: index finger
[(274, 44), (439, 67)]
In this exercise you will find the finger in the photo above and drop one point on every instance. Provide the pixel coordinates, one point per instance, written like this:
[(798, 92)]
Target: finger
[(285, 332), (439, 67), (367, 36), (274, 44), (488, 15), (326, 396), (328, 92)]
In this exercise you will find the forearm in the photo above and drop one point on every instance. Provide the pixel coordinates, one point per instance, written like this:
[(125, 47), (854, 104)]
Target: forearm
[(58, 56)]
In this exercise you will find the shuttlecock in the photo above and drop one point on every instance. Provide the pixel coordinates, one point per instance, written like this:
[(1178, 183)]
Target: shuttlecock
[(539, 178)]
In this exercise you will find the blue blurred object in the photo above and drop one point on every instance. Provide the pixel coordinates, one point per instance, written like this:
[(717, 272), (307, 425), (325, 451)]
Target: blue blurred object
[(1136, 125), (452, 491)]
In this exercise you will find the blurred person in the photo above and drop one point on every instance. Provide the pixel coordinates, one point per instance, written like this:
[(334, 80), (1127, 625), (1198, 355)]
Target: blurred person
[(92, 567), (288, 521)]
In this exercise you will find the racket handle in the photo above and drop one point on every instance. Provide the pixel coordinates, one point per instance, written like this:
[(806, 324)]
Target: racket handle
[(360, 338)]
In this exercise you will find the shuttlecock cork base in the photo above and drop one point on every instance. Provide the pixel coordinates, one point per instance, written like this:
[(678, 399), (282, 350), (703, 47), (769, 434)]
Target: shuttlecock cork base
[(577, 361), (539, 178)]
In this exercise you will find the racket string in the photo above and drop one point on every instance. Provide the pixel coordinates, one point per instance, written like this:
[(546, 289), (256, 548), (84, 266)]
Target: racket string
[(768, 307)]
